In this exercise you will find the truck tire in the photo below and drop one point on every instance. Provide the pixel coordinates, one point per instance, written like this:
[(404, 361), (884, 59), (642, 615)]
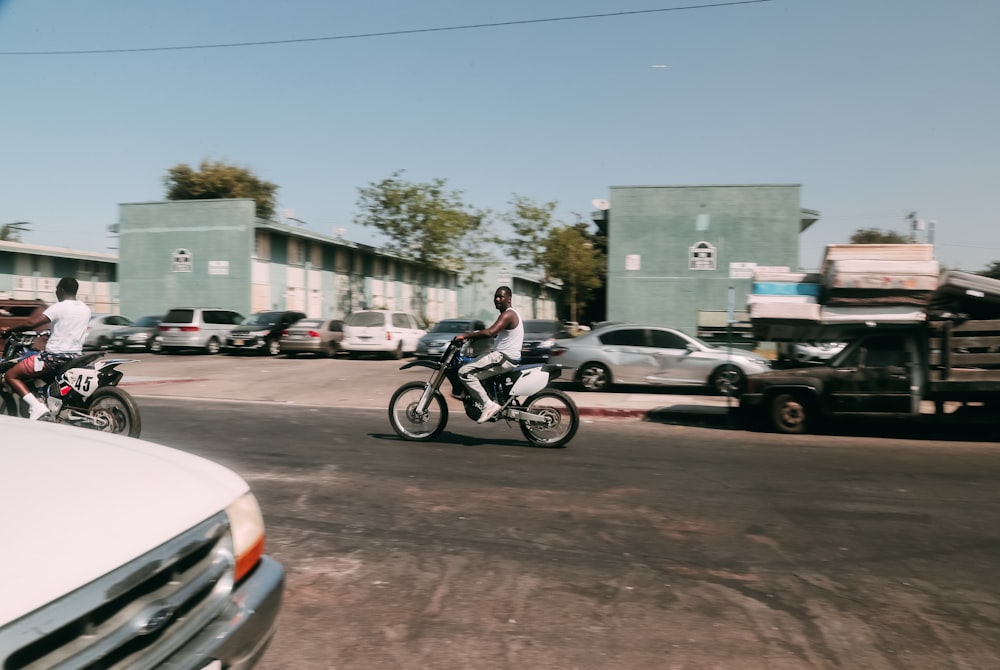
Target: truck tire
[(790, 414)]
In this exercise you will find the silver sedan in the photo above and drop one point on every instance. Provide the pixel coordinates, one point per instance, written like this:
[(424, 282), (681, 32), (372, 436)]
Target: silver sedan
[(654, 355)]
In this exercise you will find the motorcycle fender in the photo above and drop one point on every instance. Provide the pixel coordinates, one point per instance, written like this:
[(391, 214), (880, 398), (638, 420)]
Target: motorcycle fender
[(530, 382), (433, 365)]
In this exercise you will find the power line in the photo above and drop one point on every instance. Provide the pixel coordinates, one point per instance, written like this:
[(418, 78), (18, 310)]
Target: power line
[(387, 33)]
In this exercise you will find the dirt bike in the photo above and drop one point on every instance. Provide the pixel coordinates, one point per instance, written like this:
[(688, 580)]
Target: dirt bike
[(548, 417), (81, 392)]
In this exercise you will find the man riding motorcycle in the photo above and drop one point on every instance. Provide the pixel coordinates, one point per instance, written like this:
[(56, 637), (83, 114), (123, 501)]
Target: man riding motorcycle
[(67, 320), (506, 352)]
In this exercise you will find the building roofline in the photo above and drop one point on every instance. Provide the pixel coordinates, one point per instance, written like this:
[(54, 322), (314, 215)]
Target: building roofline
[(705, 186), (39, 250)]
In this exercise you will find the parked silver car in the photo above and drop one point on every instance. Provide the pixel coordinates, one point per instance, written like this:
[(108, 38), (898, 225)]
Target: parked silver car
[(313, 336), (654, 355)]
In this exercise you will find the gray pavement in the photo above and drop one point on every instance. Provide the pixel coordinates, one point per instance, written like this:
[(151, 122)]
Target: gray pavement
[(364, 384)]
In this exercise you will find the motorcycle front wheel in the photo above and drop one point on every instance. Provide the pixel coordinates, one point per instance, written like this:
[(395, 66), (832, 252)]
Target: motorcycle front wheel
[(114, 411), (412, 425), (561, 419)]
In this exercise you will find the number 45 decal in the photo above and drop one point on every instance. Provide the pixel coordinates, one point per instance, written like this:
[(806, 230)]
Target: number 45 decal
[(83, 381)]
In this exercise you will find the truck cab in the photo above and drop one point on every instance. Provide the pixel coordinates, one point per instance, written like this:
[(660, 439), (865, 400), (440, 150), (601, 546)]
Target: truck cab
[(877, 374)]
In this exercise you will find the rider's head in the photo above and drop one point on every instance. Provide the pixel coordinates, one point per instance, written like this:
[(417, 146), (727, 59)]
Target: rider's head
[(67, 288), (501, 299)]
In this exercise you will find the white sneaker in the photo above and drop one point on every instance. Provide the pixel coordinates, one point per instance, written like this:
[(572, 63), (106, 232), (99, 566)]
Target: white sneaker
[(36, 412), (489, 412)]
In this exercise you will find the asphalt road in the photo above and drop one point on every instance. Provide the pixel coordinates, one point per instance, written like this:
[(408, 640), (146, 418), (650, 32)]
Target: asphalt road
[(640, 546)]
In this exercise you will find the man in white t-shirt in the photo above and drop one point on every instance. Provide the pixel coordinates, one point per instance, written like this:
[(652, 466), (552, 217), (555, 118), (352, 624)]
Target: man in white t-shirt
[(67, 320)]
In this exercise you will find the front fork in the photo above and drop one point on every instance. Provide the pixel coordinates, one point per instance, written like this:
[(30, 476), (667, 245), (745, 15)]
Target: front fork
[(432, 386)]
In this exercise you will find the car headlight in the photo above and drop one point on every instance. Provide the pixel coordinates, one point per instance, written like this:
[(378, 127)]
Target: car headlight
[(247, 525)]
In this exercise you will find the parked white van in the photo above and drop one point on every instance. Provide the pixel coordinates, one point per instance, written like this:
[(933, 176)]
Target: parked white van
[(382, 331)]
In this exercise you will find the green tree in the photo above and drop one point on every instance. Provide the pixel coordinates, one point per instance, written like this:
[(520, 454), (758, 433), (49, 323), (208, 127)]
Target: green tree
[(11, 232), (532, 223), (877, 236), (572, 257), (992, 270), (215, 179), (425, 223)]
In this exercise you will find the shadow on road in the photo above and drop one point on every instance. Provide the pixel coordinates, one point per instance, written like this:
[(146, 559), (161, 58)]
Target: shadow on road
[(462, 440), (961, 427)]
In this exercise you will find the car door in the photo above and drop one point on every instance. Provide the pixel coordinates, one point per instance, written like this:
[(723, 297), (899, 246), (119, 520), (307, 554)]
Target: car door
[(627, 354), (670, 360)]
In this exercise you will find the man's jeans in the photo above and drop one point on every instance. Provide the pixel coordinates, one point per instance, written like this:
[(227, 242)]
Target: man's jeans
[(487, 365)]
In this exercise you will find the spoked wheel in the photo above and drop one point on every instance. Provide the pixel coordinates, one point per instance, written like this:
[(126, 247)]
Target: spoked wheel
[(728, 380), (114, 411), (594, 377), (560, 419), (412, 425)]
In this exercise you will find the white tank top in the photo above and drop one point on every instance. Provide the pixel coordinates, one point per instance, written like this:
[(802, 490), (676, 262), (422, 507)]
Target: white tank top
[(509, 342)]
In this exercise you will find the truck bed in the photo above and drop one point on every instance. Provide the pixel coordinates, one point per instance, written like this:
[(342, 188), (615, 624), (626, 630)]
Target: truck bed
[(964, 357)]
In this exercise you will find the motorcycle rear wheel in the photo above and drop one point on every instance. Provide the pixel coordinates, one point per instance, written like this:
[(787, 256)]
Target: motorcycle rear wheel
[(562, 419), (412, 426), (119, 410)]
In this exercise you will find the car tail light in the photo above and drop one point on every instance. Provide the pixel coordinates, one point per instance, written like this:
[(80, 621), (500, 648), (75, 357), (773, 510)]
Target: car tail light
[(284, 333), (190, 329), (388, 335), (312, 333), (163, 328), (558, 351)]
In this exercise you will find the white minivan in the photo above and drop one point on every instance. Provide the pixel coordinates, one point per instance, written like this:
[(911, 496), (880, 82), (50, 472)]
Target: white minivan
[(382, 331)]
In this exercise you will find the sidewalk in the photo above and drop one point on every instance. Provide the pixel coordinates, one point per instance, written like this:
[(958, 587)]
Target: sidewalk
[(369, 385)]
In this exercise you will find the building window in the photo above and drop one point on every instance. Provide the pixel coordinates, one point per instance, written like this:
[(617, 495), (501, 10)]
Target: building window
[(262, 245), (296, 252)]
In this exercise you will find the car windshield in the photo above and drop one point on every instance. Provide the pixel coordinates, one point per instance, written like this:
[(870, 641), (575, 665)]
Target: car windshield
[(452, 327), (146, 321), (265, 319), (366, 319)]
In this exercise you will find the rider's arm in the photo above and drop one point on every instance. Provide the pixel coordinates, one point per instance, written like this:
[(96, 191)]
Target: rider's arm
[(40, 322), (503, 322)]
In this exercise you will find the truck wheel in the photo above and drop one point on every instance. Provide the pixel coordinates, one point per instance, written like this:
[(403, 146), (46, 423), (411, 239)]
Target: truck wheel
[(790, 414)]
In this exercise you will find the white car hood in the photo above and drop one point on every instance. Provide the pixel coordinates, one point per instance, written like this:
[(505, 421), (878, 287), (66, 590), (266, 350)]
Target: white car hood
[(76, 504)]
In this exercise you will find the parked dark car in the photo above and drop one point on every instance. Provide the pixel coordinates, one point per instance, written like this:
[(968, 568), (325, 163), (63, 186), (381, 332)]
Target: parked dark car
[(540, 336), (140, 335), (260, 333), (432, 345), (313, 336)]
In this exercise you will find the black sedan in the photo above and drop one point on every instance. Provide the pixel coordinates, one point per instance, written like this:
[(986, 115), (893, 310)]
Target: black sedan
[(540, 336)]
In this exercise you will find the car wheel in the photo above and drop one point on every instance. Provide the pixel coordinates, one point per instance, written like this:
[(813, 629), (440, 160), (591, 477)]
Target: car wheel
[(103, 343), (398, 353), (727, 380), (790, 414), (273, 347), (212, 347), (156, 345), (594, 377)]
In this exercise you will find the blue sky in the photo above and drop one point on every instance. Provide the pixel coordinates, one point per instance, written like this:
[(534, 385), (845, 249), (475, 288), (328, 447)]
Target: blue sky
[(876, 107)]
